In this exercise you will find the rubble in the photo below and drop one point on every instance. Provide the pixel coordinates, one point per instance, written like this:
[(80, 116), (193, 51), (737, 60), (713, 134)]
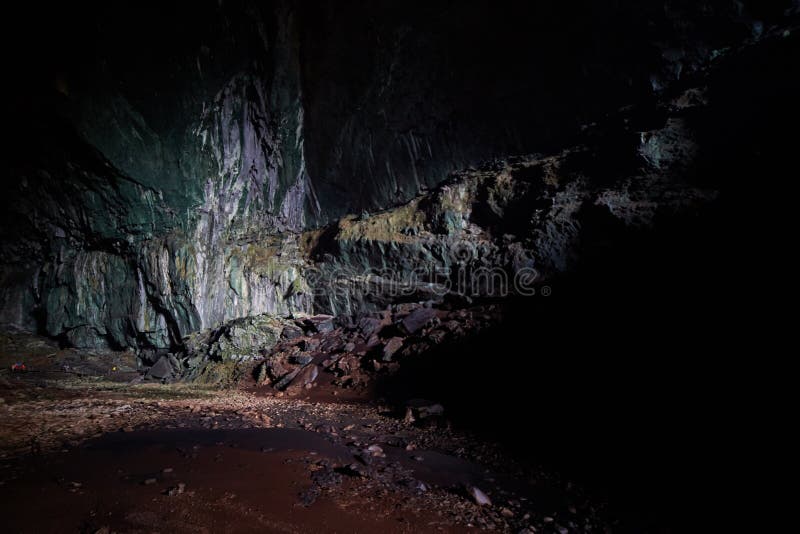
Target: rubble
[(376, 444), (417, 319), (391, 347), (479, 496), (166, 368)]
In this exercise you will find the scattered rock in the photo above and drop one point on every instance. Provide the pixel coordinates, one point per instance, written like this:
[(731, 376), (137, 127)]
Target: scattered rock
[(176, 490), (376, 450), (306, 376), (309, 344), (166, 368), (320, 323), (369, 326), (275, 368), (478, 496), (301, 359), (287, 379), (391, 347), (422, 409), (417, 319), (291, 331), (353, 470), (332, 344)]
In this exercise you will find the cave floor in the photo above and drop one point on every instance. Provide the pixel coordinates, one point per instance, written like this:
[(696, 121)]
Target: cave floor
[(98, 453)]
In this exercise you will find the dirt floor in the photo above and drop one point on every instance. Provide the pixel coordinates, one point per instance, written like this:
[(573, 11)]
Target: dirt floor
[(88, 447)]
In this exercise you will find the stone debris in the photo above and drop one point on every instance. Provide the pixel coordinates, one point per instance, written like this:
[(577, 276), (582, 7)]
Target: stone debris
[(417, 319), (306, 376), (369, 432), (301, 359), (287, 379), (318, 324), (166, 368), (291, 331), (391, 347), (367, 347), (480, 498), (176, 490)]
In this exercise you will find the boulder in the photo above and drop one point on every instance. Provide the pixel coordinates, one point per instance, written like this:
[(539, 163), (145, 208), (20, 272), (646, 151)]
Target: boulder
[(479, 497), (391, 347), (373, 341), (275, 367), (309, 344), (291, 332), (369, 325), (302, 359), (423, 408), (417, 319), (319, 324), (287, 379), (332, 344), (307, 375), (166, 368)]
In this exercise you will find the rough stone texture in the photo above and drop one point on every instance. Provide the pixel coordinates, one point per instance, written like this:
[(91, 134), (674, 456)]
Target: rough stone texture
[(214, 355), (501, 230), (155, 183), (162, 186)]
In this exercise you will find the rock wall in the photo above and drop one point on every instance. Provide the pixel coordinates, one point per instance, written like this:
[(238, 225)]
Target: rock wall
[(177, 167), (160, 179)]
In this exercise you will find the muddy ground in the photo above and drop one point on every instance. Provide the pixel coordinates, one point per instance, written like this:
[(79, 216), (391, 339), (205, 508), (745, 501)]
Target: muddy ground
[(88, 447)]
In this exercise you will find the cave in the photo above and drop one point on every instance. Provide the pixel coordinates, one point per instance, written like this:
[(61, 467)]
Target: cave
[(384, 266)]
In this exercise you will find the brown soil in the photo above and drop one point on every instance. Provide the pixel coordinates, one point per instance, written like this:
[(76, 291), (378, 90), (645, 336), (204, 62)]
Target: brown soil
[(97, 453), (121, 485)]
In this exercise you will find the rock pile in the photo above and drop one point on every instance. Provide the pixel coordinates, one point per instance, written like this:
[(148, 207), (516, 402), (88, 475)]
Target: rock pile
[(355, 351)]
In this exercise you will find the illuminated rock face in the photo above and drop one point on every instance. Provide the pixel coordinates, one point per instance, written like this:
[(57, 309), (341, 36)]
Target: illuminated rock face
[(165, 201), (186, 169)]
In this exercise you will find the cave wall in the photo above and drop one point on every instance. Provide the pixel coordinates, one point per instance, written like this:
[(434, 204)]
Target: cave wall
[(154, 172), (166, 159)]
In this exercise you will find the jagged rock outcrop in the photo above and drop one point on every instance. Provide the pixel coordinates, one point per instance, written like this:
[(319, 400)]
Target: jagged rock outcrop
[(506, 228), (246, 155), (143, 217)]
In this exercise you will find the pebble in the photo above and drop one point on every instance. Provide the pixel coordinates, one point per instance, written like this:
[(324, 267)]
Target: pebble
[(376, 450), (480, 498)]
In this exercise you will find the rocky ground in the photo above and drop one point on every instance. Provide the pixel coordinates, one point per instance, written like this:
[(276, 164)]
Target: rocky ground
[(91, 447)]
